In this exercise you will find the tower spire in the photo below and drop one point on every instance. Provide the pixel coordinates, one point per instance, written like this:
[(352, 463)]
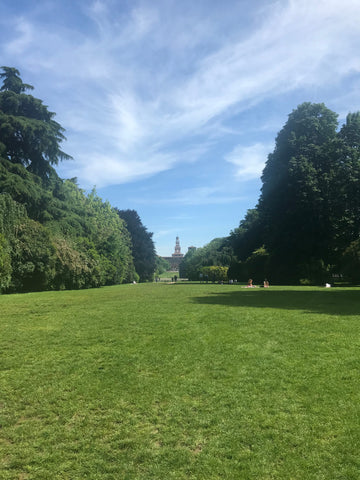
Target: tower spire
[(177, 252)]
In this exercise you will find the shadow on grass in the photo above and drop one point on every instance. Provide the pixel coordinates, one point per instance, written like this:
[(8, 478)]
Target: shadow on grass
[(330, 302)]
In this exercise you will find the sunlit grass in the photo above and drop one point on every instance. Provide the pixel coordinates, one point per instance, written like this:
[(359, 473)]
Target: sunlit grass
[(158, 381)]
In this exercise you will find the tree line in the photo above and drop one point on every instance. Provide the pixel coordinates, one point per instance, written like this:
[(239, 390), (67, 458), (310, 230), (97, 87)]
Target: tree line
[(305, 227), (52, 234)]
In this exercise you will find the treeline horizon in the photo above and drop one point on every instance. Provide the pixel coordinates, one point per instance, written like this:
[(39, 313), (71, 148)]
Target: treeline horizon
[(52, 234), (305, 228)]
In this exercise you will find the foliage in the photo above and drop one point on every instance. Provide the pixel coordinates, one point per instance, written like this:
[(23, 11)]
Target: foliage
[(351, 262), (309, 208), (256, 266), (5, 264), (52, 234), (215, 273), (31, 258), (248, 235), (218, 252), (112, 240), (76, 266), (143, 249), (27, 129)]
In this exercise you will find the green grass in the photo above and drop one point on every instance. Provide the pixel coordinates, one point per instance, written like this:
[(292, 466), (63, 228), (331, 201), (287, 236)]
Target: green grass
[(180, 381)]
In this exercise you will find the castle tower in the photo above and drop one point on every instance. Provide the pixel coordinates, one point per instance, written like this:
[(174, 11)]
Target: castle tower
[(177, 252)]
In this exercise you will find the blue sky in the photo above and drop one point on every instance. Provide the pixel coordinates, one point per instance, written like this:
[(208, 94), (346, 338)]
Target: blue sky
[(171, 107)]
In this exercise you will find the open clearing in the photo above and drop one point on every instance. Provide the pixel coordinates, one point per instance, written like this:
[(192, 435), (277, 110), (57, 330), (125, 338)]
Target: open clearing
[(181, 381)]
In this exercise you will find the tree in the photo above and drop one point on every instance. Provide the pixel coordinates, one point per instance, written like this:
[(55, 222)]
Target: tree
[(32, 258), (346, 196), (255, 266), (28, 132), (12, 214), (308, 212), (12, 81), (77, 264), (216, 253), (143, 249), (293, 206), (112, 240), (5, 264), (248, 236), (351, 262)]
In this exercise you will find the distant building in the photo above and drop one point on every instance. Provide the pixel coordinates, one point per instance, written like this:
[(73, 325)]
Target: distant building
[(176, 257)]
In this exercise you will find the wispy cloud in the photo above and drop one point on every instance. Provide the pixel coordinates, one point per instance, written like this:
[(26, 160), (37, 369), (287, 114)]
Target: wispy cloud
[(24, 37), (145, 87), (196, 196), (249, 160)]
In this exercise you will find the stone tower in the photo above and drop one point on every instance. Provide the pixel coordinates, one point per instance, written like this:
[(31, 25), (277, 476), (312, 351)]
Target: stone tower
[(177, 252), (176, 257)]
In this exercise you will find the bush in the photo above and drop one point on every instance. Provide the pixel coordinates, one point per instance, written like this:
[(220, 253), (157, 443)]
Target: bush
[(215, 273), (32, 258)]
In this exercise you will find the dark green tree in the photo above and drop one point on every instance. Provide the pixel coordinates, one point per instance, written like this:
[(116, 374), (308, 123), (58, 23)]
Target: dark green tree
[(346, 191), (293, 206), (143, 249), (350, 262), (309, 208), (28, 132), (12, 81), (256, 266), (248, 236)]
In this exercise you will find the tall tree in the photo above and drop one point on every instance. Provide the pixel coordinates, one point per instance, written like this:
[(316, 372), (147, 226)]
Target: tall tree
[(293, 203), (347, 194), (248, 236), (309, 208), (12, 81), (28, 132), (143, 248)]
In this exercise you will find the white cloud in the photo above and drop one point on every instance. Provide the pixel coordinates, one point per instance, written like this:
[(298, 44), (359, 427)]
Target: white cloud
[(249, 160), (24, 36), (300, 44), (146, 83), (212, 195), (97, 168)]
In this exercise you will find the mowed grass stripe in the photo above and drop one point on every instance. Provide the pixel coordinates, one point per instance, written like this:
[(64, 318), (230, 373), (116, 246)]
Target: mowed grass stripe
[(182, 381)]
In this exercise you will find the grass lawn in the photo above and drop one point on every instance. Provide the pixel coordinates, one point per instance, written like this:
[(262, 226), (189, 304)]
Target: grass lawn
[(181, 381)]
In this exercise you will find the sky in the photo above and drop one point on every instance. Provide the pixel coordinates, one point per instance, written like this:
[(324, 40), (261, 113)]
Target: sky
[(171, 107)]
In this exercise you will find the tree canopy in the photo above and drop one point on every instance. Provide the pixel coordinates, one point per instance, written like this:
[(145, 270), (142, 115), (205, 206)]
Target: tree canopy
[(28, 132), (216, 253), (308, 210), (143, 248)]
